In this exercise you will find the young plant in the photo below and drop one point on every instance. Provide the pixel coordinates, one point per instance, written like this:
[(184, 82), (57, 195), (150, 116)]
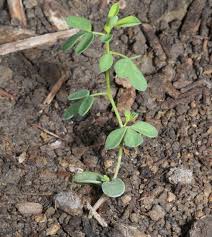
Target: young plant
[(130, 132)]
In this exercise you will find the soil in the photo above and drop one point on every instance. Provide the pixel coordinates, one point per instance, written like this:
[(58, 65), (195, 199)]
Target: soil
[(167, 179)]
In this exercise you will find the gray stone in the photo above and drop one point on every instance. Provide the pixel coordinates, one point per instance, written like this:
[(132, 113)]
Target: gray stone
[(180, 175), (69, 202), (6, 75), (29, 208), (202, 227), (156, 213)]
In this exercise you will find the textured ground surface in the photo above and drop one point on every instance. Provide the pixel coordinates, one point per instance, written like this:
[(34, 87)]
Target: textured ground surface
[(167, 179)]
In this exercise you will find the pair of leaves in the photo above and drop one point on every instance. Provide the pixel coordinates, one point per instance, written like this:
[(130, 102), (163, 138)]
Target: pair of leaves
[(131, 136), (113, 188), (82, 104), (82, 40), (125, 68)]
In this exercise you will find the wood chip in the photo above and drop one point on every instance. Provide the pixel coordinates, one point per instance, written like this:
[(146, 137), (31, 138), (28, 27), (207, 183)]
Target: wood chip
[(56, 14), (17, 12)]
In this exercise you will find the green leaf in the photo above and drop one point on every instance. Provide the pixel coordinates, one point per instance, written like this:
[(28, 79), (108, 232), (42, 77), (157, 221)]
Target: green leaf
[(106, 38), (145, 129), (114, 138), (112, 21), (79, 23), (130, 116), (128, 21), (132, 138), (105, 62), (87, 177), (72, 110), (85, 41), (114, 188), (72, 41), (79, 94), (114, 10), (125, 68), (86, 105), (105, 178)]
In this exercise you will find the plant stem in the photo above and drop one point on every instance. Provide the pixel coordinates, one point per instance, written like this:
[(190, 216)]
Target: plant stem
[(110, 97), (118, 54), (99, 94), (98, 33), (118, 162), (109, 93)]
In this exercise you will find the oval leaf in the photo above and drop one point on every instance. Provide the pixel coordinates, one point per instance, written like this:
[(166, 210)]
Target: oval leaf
[(72, 111), (106, 38), (72, 41), (132, 138), (88, 177), (114, 188), (79, 94), (112, 21), (114, 10), (79, 23), (86, 105), (114, 138), (105, 62), (85, 41), (125, 68), (145, 128), (128, 21)]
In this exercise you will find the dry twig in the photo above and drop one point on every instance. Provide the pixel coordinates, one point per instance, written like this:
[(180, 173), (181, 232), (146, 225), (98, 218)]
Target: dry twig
[(55, 89), (101, 221), (36, 41), (4, 93), (47, 131)]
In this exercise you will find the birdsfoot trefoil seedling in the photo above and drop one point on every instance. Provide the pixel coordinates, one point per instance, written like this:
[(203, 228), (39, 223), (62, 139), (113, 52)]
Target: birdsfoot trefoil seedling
[(130, 132)]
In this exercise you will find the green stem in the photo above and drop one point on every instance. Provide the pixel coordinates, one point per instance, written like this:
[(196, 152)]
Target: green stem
[(98, 33), (135, 57), (118, 165), (99, 94), (109, 93), (110, 97), (118, 54)]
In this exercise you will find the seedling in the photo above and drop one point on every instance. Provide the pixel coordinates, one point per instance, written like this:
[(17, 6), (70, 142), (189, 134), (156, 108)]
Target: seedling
[(130, 132)]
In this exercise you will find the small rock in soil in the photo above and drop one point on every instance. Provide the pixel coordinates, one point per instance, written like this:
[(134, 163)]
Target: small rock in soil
[(30, 3), (157, 213), (69, 202), (180, 175), (6, 75), (50, 212), (121, 230), (202, 227), (53, 229), (29, 208), (41, 218), (56, 14), (171, 197), (126, 199)]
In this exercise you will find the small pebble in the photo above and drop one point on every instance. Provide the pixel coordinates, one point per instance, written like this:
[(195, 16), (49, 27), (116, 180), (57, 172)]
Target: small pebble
[(69, 202), (156, 213), (53, 229), (29, 208)]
